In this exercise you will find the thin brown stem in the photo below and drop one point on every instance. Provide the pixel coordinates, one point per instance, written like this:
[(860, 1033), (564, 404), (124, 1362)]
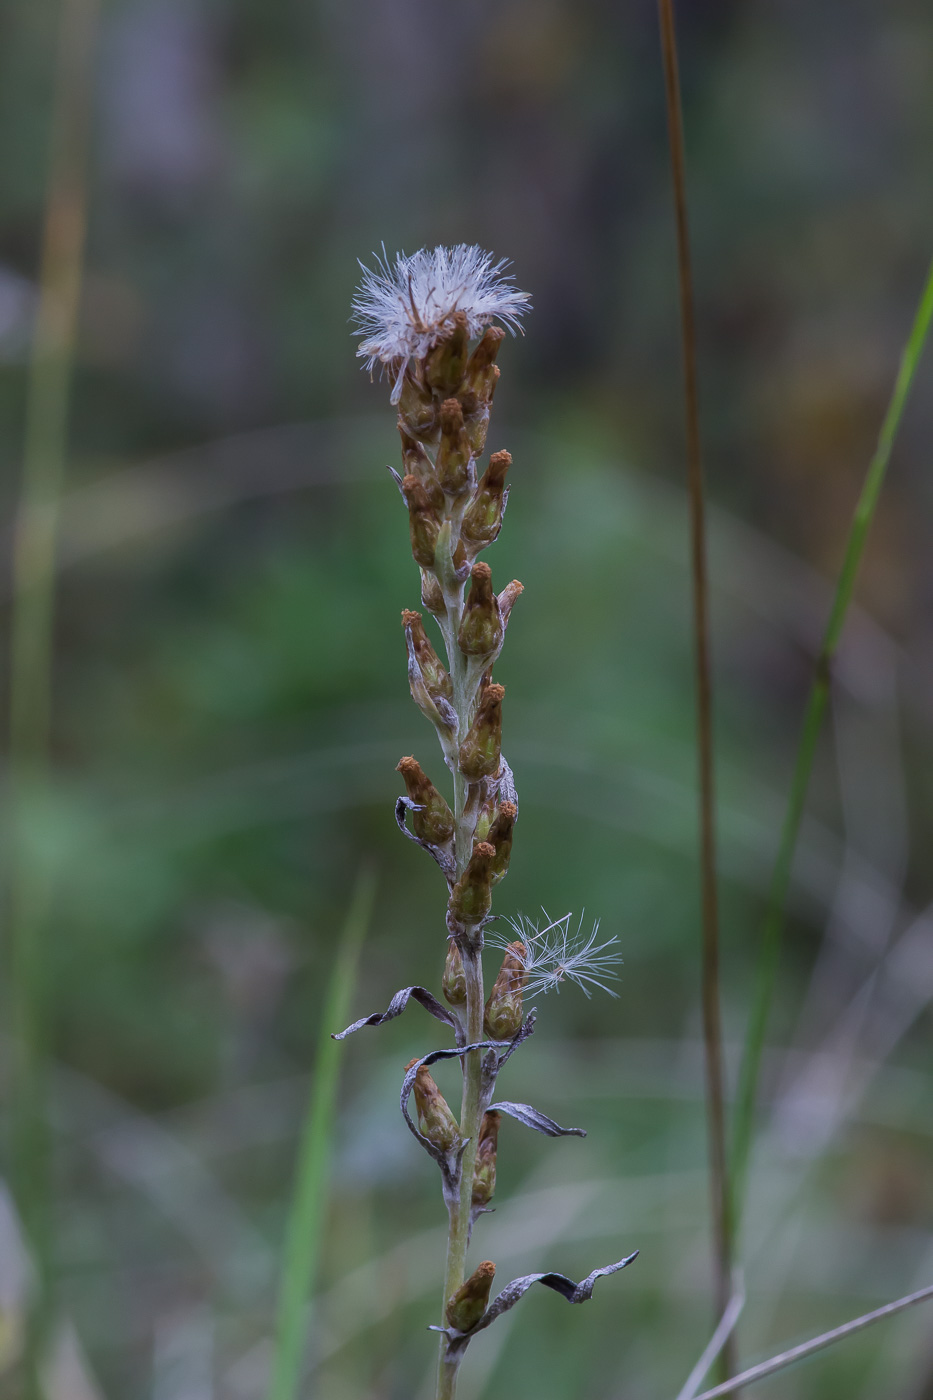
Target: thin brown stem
[(712, 1027)]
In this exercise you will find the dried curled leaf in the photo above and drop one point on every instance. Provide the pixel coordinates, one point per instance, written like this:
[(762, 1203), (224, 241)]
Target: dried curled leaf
[(443, 857), (510, 1295), (533, 1118), (397, 1006)]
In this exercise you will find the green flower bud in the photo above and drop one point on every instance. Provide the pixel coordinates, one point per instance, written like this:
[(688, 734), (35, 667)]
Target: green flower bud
[(470, 899), (484, 1172), (482, 519), (503, 1016), (454, 982), (480, 750), (434, 822), (453, 454), (435, 1119), (470, 1301), (481, 626), (423, 522)]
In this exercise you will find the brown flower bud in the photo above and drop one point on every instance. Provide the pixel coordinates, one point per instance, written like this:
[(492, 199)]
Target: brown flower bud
[(429, 683), (432, 595), (478, 369), (417, 463), (416, 407), (480, 750), (481, 626), (484, 1172), (445, 364), (453, 454), (482, 519), (435, 675), (507, 598), (423, 522), (470, 898), (503, 1016), (470, 1301), (431, 819), (454, 982), (500, 836), (435, 1119)]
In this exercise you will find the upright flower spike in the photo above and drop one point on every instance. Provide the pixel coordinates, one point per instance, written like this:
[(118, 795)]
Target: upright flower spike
[(435, 322)]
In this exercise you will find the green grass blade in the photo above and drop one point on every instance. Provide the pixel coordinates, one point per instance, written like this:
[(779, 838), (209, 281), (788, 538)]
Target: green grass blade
[(35, 541), (769, 955), (306, 1218)]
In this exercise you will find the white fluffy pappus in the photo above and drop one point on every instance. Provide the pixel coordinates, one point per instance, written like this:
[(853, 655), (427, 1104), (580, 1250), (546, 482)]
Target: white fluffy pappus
[(555, 954), (403, 309)]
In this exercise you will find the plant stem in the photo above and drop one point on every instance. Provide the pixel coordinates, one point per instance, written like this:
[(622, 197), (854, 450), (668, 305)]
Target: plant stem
[(769, 955), (458, 1235), (34, 546), (712, 1027)]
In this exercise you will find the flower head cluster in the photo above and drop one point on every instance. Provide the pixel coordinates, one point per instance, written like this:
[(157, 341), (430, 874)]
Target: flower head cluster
[(556, 953), (403, 309)]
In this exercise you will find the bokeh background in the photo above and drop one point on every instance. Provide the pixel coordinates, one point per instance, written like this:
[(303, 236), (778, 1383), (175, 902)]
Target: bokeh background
[(229, 677)]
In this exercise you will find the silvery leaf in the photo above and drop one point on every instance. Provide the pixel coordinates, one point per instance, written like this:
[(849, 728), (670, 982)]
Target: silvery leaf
[(397, 1006), (532, 1118)]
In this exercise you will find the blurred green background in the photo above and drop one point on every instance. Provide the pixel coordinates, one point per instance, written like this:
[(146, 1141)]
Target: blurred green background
[(230, 696)]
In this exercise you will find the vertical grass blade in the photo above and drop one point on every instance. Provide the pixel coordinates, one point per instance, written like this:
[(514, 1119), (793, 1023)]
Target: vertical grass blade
[(33, 570), (712, 1024), (306, 1218), (773, 928)]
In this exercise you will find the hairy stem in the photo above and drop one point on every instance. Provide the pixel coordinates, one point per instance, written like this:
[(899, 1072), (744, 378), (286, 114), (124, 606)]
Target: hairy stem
[(458, 1236), (471, 1112)]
